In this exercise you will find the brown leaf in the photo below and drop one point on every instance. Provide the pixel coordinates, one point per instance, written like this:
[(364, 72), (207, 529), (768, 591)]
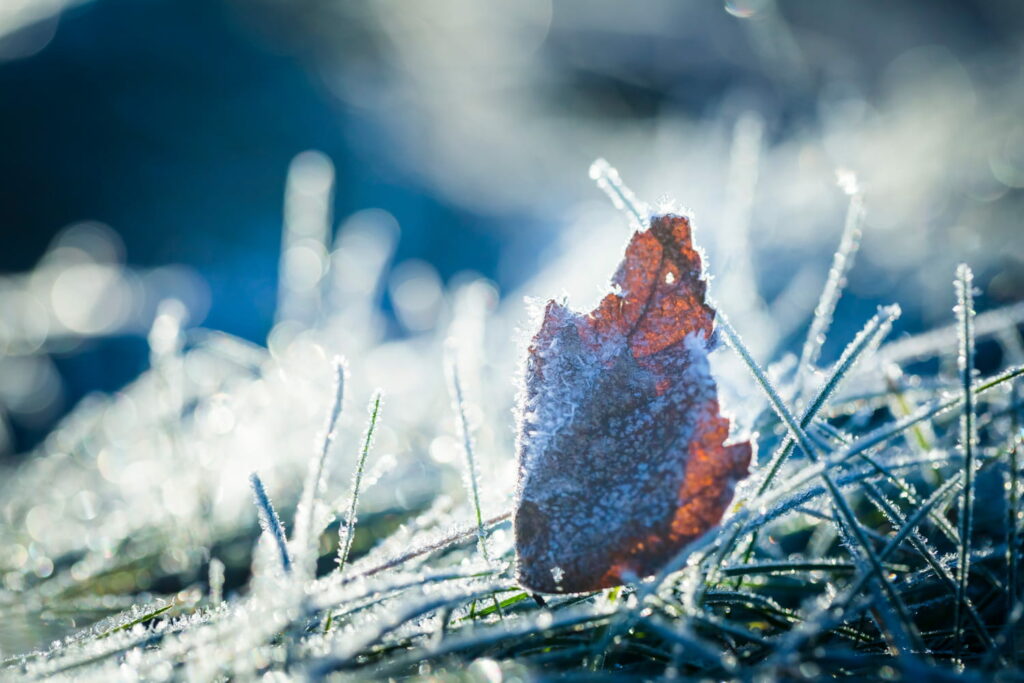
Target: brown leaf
[(621, 448)]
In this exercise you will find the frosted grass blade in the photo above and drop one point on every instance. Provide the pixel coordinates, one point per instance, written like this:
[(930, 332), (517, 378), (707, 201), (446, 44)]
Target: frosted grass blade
[(269, 520), (349, 524)]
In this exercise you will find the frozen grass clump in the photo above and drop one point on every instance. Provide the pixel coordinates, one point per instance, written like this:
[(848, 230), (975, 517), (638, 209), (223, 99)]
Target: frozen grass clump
[(859, 547)]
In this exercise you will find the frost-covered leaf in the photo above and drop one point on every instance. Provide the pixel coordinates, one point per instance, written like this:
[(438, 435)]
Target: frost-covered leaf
[(622, 454)]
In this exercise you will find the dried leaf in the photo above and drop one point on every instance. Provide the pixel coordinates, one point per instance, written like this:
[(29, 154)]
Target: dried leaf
[(622, 455)]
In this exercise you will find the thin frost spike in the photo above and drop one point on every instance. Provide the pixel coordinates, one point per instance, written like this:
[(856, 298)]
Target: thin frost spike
[(968, 433), (340, 371), (349, 523), (607, 178), (842, 261), (269, 521), (462, 425), (311, 490)]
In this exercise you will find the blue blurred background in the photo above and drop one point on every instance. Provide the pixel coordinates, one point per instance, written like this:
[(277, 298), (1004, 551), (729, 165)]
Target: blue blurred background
[(174, 123)]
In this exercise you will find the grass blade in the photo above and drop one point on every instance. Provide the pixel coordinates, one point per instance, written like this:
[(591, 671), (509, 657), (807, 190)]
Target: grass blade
[(607, 178), (842, 261), (894, 429), (345, 543), (927, 344), (269, 520), (1012, 521), (311, 489), (467, 446), (870, 335), (968, 438), (846, 519), (908, 526)]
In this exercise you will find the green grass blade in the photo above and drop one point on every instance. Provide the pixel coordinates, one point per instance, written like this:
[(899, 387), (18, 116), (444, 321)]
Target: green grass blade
[(467, 447), (345, 543), (148, 616)]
